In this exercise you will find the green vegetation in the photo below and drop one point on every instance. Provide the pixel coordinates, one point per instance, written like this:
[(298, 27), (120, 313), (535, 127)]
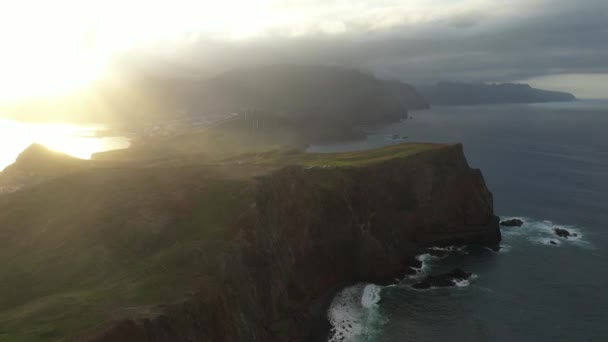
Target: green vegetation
[(108, 240), (77, 251), (347, 159)]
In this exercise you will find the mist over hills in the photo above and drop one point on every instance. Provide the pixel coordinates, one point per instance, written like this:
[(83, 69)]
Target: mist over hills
[(292, 92), (280, 91)]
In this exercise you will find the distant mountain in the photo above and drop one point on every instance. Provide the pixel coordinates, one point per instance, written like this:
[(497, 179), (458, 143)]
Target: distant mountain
[(454, 93), (295, 92), (318, 92)]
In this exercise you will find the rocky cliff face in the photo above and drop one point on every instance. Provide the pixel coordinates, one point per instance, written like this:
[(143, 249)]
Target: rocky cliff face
[(311, 231)]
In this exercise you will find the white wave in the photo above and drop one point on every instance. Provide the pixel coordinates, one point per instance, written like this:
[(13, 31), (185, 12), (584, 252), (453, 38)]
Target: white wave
[(449, 248), (371, 296), (425, 259), (547, 241), (504, 248), (354, 313), (543, 232), (513, 231), (461, 282), (344, 315), (521, 218)]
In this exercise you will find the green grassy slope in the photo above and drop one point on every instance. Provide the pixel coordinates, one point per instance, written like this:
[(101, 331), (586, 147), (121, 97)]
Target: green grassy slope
[(103, 242), (77, 249)]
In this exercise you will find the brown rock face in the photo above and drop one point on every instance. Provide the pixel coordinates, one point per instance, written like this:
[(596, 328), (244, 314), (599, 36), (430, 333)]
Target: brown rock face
[(312, 231)]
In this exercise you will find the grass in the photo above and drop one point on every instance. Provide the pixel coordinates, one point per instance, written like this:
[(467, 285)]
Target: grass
[(345, 159), (78, 250), (75, 251)]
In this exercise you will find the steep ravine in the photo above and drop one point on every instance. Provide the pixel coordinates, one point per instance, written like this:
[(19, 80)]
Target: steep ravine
[(312, 231)]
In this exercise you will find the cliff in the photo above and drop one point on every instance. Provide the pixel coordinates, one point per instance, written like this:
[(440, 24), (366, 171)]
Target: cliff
[(316, 93), (454, 93), (281, 91), (250, 248)]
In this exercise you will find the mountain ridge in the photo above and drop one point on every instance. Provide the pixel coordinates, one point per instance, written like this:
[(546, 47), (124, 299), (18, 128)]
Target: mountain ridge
[(460, 93)]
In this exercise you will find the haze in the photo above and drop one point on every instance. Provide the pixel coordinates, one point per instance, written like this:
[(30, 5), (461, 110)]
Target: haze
[(62, 46)]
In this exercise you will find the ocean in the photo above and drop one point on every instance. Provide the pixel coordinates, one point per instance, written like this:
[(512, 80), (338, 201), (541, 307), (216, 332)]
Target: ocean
[(546, 164), (77, 140)]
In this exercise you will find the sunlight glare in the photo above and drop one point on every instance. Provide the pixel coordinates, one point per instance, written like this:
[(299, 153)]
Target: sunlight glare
[(50, 48), (79, 141)]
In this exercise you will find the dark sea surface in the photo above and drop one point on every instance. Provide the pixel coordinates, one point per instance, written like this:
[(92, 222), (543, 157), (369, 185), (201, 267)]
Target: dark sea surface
[(544, 163)]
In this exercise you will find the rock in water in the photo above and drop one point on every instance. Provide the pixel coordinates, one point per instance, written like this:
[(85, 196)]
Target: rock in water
[(443, 280), (512, 223), (553, 243), (414, 267), (562, 232), (438, 253)]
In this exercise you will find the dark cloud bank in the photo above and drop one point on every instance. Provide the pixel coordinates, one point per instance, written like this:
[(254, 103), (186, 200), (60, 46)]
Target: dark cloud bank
[(552, 37)]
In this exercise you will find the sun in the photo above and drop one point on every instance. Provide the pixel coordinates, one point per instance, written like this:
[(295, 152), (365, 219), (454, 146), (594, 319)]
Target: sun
[(45, 52), (50, 48), (63, 72)]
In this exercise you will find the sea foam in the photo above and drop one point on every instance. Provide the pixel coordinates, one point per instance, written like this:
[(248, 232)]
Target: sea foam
[(354, 313), (371, 296), (461, 249), (425, 261), (542, 232)]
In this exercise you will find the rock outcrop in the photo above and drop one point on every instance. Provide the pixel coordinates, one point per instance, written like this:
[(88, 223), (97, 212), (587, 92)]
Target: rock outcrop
[(443, 280), (512, 223), (564, 233), (311, 231)]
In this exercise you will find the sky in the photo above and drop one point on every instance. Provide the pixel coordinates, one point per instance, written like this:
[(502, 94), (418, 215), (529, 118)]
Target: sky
[(56, 46)]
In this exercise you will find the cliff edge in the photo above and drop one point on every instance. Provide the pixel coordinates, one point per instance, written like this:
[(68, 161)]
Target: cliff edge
[(312, 230), (248, 248)]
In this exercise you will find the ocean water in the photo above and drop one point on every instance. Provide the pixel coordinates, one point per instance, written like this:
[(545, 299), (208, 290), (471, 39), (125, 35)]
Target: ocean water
[(78, 140), (546, 164)]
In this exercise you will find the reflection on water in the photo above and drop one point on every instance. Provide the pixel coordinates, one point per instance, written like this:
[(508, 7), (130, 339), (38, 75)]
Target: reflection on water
[(74, 139)]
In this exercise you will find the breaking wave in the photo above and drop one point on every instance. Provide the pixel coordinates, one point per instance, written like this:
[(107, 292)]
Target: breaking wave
[(542, 232), (354, 313), (461, 249)]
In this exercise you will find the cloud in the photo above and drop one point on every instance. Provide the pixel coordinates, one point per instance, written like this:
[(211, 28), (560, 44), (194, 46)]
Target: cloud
[(417, 41)]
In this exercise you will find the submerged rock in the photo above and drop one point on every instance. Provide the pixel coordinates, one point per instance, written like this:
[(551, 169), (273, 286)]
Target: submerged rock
[(562, 233), (553, 243), (512, 223), (438, 253), (443, 280)]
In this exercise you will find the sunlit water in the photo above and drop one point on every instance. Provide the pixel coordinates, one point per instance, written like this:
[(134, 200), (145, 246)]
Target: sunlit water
[(545, 163), (74, 139)]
